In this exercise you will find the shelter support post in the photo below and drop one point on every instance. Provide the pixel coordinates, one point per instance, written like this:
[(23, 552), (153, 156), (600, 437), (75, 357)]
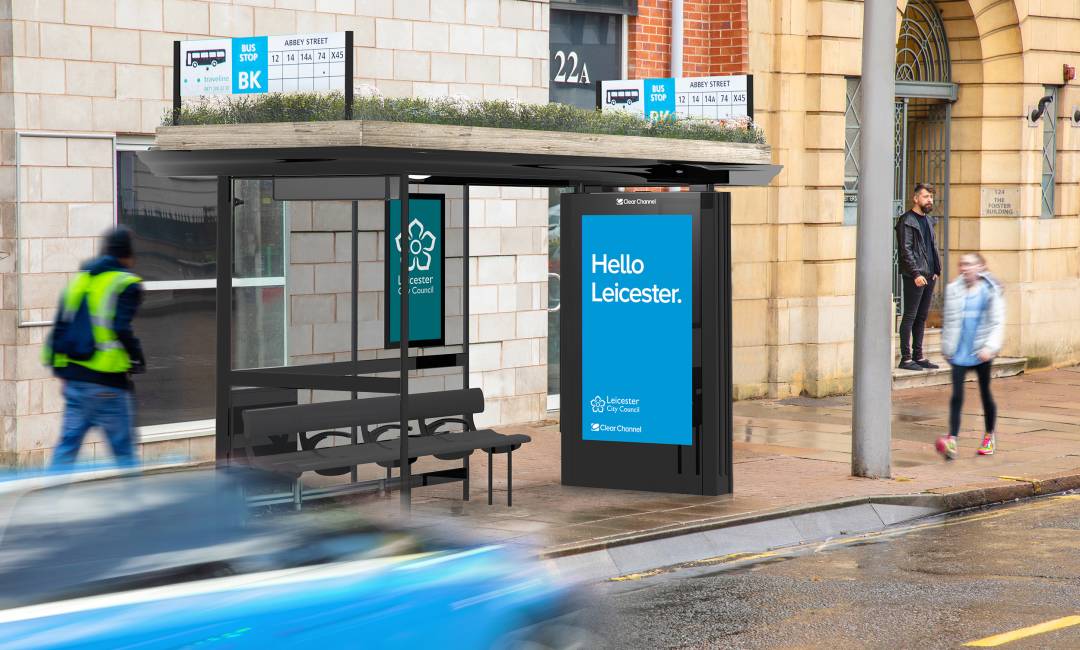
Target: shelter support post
[(403, 339), (872, 413), (354, 336), (465, 287), (223, 306)]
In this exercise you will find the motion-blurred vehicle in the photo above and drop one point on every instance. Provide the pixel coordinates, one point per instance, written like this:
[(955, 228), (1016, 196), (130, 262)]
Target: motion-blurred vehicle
[(118, 559)]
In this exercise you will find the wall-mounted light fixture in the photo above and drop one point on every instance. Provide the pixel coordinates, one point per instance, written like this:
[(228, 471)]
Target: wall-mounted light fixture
[(1074, 117), (1068, 72), (1036, 113)]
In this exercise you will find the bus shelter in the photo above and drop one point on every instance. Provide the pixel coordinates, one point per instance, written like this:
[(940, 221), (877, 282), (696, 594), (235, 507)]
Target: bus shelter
[(355, 406)]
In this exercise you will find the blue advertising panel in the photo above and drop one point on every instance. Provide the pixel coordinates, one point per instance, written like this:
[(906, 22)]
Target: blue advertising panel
[(637, 328), (426, 271)]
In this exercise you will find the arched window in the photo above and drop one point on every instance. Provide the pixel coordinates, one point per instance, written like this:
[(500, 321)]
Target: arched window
[(922, 50)]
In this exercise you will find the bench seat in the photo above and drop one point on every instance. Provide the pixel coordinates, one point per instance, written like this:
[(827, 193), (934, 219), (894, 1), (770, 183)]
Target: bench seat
[(387, 451), (373, 417)]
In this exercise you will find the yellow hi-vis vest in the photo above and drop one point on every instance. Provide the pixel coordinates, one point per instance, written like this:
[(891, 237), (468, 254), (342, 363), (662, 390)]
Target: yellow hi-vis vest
[(101, 292)]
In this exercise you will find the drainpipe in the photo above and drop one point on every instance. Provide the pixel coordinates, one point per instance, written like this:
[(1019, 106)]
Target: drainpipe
[(676, 37), (675, 49)]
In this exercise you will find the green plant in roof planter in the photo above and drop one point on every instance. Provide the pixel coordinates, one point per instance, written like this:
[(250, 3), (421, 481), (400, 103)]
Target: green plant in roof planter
[(314, 107)]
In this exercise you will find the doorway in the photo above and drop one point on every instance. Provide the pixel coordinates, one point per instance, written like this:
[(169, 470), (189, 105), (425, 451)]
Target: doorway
[(922, 122)]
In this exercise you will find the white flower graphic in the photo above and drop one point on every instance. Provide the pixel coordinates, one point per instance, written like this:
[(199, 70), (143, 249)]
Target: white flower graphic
[(421, 243), (598, 404)]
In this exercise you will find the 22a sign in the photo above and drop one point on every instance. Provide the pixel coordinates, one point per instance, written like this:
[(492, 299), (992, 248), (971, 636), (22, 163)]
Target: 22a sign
[(570, 72)]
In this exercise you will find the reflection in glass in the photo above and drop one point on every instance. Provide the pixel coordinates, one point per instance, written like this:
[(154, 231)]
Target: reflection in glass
[(258, 236), (174, 221), (554, 288), (177, 333), (177, 330), (258, 327), (584, 48)]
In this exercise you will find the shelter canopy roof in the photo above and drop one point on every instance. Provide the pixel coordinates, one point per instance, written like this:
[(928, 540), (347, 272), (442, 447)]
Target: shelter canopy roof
[(453, 155)]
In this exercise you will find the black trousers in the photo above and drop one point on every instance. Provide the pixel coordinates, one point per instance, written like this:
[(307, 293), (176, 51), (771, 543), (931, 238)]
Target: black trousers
[(956, 404), (913, 324)]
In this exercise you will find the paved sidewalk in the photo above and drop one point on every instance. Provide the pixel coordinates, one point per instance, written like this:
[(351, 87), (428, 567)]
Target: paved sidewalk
[(788, 453)]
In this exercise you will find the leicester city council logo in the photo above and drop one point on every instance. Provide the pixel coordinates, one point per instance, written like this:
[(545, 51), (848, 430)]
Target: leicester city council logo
[(598, 404), (421, 243)]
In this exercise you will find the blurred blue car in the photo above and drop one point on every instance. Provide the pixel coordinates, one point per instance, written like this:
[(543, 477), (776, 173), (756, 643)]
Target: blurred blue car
[(124, 560)]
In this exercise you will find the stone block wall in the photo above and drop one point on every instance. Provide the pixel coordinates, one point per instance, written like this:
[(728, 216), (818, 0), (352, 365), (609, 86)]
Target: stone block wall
[(793, 258), (105, 67)]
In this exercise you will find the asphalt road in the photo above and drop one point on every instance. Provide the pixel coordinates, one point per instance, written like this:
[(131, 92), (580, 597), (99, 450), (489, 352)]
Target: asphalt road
[(936, 584)]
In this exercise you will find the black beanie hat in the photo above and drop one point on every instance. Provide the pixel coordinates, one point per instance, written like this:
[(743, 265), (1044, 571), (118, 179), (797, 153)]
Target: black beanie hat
[(118, 243)]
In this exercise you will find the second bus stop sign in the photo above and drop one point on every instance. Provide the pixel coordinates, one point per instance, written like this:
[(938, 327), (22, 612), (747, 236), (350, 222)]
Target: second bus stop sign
[(636, 324)]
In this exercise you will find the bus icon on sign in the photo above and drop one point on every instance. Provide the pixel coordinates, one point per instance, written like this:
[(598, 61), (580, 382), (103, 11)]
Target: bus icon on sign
[(208, 58), (623, 96)]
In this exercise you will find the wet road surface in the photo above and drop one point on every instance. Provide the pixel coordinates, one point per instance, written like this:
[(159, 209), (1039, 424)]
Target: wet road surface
[(1012, 571)]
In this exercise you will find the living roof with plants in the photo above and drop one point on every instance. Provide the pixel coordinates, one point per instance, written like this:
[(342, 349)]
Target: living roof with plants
[(314, 107)]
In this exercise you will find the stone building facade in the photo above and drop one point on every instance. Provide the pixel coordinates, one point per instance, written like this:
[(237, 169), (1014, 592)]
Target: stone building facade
[(794, 267)]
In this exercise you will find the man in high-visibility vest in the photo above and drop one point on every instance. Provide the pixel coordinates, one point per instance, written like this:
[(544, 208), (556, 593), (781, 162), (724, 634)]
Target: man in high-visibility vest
[(96, 310)]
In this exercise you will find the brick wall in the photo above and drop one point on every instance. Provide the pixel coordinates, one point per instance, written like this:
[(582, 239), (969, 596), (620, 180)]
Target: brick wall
[(715, 38)]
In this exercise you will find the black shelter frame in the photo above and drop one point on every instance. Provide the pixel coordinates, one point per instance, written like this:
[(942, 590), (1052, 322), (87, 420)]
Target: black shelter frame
[(333, 172)]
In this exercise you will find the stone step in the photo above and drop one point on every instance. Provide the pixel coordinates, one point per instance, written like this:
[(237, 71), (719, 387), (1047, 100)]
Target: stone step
[(1003, 367), (931, 344)]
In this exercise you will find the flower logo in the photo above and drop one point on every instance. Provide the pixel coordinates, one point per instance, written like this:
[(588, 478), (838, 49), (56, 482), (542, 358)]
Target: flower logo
[(421, 243), (598, 404)]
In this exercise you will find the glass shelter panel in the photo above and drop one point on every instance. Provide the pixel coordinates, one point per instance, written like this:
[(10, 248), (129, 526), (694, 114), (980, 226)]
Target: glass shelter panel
[(174, 223)]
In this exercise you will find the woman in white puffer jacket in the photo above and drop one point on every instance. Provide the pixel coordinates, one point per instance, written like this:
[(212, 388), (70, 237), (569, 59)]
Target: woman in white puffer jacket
[(972, 335)]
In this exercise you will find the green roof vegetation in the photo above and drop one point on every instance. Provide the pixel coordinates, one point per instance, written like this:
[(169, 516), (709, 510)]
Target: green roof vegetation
[(314, 107)]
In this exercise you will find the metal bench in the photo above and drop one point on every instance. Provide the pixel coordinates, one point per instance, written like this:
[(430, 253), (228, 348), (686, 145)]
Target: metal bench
[(433, 412)]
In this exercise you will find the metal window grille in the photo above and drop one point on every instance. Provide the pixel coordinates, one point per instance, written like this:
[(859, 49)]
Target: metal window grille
[(1049, 151), (852, 124)]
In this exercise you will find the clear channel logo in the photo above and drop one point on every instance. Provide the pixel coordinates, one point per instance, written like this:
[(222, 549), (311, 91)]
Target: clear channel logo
[(421, 243), (596, 427), (622, 201)]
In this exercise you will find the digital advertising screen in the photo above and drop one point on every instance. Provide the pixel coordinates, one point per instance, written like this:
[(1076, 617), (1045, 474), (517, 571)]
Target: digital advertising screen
[(637, 328)]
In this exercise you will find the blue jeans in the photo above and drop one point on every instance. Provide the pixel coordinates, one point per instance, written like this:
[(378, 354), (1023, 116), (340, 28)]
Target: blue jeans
[(87, 405)]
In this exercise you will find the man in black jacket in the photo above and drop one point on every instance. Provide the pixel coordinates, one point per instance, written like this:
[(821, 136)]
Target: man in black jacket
[(920, 266)]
